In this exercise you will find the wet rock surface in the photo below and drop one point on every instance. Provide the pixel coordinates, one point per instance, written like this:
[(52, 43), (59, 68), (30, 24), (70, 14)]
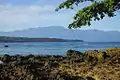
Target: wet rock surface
[(91, 65)]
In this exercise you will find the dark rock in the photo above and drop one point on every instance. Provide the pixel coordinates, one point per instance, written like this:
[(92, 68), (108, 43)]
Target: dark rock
[(6, 55), (30, 56), (74, 78), (6, 46), (6, 58), (75, 56), (73, 53), (89, 78)]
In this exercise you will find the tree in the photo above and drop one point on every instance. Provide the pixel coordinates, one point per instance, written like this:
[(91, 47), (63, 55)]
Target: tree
[(96, 11)]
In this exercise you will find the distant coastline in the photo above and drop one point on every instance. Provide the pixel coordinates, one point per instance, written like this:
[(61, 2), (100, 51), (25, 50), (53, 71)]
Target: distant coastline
[(27, 39)]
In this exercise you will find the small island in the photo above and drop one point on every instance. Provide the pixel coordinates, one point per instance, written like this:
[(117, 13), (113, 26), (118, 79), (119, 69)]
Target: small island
[(26, 39)]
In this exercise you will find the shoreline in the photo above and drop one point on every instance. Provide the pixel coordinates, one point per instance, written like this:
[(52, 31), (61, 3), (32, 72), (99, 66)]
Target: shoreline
[(90, 65)]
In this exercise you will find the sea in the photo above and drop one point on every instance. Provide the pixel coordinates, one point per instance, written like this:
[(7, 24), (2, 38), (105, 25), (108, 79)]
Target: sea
[(53, 48)]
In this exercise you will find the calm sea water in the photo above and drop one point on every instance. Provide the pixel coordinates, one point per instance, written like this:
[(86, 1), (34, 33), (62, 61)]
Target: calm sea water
[(53, 48)]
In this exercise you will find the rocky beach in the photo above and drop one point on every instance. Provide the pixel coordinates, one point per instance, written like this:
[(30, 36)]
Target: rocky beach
[(90, 65)]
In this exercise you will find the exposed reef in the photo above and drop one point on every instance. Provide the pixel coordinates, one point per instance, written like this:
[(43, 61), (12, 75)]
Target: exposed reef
[(91, 65)]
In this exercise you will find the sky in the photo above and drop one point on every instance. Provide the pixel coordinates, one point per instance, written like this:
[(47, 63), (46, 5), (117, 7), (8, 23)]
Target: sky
[(24, 14)]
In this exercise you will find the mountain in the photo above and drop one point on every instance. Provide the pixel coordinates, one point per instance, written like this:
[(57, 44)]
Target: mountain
[(61, 32)]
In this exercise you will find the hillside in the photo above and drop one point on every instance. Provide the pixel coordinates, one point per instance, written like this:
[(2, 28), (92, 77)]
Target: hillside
[(26, 39), (63, 33)]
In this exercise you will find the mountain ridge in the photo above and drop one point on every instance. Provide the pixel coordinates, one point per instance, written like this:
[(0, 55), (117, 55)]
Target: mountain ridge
[(64, 33)]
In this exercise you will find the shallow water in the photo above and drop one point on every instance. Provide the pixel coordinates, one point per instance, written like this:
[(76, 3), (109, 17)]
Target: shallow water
[(52, 48)]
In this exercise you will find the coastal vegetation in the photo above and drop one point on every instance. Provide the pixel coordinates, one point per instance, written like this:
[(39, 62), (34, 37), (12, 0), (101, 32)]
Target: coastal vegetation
[(90, 65)]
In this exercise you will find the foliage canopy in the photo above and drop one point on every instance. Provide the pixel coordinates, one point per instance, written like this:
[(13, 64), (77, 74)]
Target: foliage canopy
[(97, 10)]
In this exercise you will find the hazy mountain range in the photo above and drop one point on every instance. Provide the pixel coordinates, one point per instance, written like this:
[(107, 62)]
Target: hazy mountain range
[(61, 32)]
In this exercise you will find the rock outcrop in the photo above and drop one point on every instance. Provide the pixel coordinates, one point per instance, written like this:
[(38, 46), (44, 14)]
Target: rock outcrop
[(91, 65)]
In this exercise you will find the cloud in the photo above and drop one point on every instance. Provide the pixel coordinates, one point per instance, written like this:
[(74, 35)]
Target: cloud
[(14, 17), (24, 16)]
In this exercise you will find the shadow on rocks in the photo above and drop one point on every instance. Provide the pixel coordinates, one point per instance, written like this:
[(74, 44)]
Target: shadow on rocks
[(78, 78)]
